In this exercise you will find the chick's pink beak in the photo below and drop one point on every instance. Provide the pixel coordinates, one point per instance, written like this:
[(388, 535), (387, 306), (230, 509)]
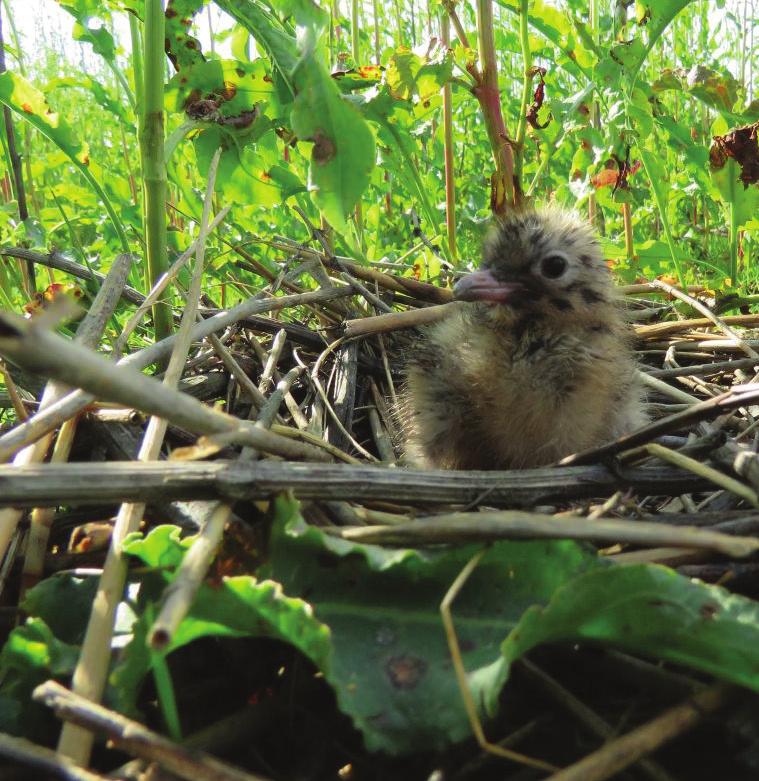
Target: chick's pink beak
[(483, 286)]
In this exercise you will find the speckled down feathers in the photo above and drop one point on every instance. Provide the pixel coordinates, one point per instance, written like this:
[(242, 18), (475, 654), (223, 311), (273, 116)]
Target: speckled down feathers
[(523, 384)]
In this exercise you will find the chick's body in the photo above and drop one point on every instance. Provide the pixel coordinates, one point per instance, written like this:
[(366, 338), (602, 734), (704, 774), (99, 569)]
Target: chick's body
[(533, 363)]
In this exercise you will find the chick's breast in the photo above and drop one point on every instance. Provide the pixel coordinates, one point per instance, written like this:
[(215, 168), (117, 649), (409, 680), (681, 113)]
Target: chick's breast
[(533, 365)]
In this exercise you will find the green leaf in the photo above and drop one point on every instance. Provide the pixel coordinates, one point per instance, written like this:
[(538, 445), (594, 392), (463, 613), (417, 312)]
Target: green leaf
[(342, 156), (29, 103), (32, 654), (239, 606), (269, 33), (651, 610), (391, 666), (63, 603), (655, 17), (182, 48)]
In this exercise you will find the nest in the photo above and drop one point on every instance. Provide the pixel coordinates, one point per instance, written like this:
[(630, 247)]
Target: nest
[(312, 377)]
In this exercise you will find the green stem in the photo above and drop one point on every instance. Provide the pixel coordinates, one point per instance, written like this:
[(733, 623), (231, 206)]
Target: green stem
[(355, 41), (733, 239), (544, 161), (450, 174), (524, 37), (153, 164), (137, 64), (505, 187), (166, 697), (594, 112), (662, 208)]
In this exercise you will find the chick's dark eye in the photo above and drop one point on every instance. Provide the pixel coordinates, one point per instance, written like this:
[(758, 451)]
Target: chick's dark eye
[(553, 266)]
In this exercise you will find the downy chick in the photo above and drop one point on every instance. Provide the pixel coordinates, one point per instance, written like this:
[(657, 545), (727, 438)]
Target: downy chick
[(534, 363)]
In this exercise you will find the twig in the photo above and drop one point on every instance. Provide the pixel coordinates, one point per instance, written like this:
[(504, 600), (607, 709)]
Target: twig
[(43, 759), (161, 284), (87, 335), (667, 390), (50, 354), (132, 737), (490, 526), (721, 323), (737, 396), (314, 375), (708, 472), (669, 327), (180, 593), (586, 715), (410, 318), (618, 754), (99, 483), (57, 261), (14, 395), (461, 676), (42, 422)]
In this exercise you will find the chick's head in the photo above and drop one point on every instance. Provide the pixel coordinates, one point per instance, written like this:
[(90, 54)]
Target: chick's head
[(547, 261)]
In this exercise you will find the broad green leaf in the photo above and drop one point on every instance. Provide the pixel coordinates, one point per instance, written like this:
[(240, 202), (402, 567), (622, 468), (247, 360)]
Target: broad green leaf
[(655, 17), (390, 665), (102, 95), (342, 156), (651, 610), (63, 603), (734, 168), (182, 48), (566, 33), (250, 171), (718, 90), (227, 88), (101, 40)]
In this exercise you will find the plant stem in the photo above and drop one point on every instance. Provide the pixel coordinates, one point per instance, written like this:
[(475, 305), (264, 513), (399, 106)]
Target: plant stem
[(662, 209), (627, 219), (18, 179), (594, 118), (733, 240), (450, 174), (356, 54), (505, 189), (153, 163), (524, 37), (377, 49)]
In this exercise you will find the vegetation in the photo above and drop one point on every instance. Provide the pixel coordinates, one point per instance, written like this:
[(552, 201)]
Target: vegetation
[(352, 141)]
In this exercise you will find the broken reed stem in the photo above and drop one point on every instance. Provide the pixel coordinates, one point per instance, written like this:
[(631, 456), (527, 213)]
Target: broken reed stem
[(587, 716), (112, 481), (454, 649), (91, 669), (87, 336), (705, 471), (178, 596)]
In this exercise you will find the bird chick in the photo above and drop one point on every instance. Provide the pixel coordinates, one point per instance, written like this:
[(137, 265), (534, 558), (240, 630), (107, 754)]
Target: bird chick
[(535, 361)]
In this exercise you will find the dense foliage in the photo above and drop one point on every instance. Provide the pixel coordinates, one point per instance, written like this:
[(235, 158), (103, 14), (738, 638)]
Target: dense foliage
[(641, 114)]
